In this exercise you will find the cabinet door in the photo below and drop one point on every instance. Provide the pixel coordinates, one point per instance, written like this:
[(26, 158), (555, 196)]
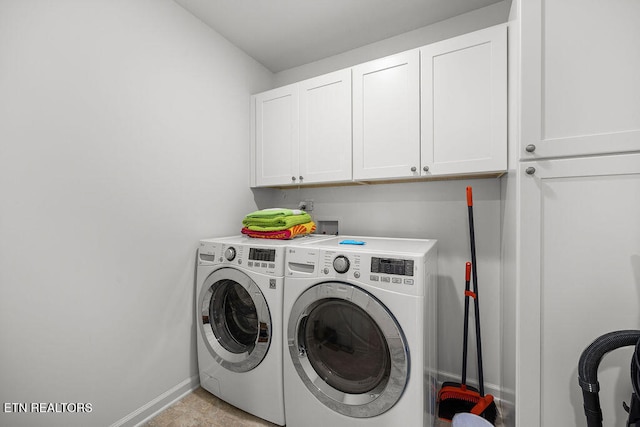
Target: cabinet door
[(325, 128), (386, 117), (464, 104), (579, 277), (580, 86), (276, 136)]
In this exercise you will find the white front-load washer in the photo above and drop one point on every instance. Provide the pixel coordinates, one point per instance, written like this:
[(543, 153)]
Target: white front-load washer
[(239, 323), (360, 332)]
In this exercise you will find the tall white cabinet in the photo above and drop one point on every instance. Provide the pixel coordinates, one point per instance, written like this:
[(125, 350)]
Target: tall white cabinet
[(580, 85), (577, 203), (579, 279)]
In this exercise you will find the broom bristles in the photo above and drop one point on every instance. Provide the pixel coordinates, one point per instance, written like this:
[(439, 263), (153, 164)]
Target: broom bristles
[(461, 392), (458, 396)]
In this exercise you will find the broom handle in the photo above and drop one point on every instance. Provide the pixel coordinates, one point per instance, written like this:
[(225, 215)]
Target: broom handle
[(475, 289), (467, 278)]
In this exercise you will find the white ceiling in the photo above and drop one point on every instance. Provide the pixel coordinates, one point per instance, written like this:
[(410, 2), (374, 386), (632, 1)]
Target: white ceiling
[(282, 34)]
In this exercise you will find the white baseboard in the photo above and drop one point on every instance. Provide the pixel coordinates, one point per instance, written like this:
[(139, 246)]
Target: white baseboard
[(159, 404)]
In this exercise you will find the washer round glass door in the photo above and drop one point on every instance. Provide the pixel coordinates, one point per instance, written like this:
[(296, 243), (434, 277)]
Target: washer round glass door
[(235, 320), (348, 349)]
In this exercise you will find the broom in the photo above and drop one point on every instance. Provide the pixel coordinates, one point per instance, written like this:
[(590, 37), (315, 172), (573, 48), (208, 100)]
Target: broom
[(459, 397), (454, 398)]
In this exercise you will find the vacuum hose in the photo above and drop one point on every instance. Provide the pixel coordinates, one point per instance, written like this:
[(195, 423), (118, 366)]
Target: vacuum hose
[(588, 369)]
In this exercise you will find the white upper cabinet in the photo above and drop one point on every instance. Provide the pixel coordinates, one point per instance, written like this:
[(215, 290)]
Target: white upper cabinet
[(436, 111), (325, 128), (276, 136), (580, 86), (386, 117), (464, 104), (303, 132)]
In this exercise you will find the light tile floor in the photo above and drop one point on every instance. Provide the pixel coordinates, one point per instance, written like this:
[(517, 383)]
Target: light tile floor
[(199, 409), (202, 409)]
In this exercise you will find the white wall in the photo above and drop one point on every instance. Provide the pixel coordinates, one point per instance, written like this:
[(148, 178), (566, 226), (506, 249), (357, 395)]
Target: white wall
[(481, 18), (124, 130), (436, 210)]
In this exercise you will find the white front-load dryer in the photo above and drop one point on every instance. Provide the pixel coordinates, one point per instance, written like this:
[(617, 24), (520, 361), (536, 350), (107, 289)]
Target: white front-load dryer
[(360, 333), (239, 323)]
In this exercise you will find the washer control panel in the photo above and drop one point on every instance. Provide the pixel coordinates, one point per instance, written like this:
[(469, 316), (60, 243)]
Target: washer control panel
[(263, 260)]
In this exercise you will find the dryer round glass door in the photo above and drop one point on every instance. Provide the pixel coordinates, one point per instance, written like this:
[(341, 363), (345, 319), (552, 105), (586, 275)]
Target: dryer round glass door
[(235, 320), (348, 349)]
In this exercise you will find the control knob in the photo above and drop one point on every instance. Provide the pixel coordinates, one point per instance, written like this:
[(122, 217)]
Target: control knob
[(341, 264), (230, 253)]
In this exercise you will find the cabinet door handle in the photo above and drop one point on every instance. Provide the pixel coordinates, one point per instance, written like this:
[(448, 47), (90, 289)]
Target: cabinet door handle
[(426, 168), (530, 170), (300, 177), (413, 169), (293, 178), (530, 148)]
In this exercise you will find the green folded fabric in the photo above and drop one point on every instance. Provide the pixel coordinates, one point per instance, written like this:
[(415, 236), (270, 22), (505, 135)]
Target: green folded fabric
[(275, 223), (274, 213)]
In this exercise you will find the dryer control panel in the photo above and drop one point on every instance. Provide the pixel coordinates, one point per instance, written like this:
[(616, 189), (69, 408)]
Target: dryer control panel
[(392, 272), (257, 259), (395, 266)]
